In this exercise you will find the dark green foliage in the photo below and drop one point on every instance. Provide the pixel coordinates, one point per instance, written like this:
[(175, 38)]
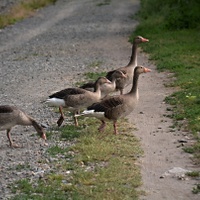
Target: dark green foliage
[(176, 14)]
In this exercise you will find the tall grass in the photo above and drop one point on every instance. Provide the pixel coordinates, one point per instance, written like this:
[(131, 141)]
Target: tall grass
[(175, 46)]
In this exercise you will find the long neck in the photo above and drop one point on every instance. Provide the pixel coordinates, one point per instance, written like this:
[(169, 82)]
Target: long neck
[(97, 89), (134, 89), (133, 59), (37, 127)]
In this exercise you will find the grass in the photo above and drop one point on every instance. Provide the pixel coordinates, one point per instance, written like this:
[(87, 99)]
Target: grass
[(22, 10), (104, 3), (175, 50), (98, 166)]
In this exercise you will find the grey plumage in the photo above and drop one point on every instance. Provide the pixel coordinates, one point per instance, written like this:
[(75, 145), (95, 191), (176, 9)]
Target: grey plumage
[(115, 107), (129, 68), (11, 116)]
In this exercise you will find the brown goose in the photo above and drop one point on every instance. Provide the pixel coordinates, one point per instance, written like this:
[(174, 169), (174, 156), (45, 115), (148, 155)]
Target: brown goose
[(11, 116), (74, 99), (108, 87), (128, 69), (115, 107)]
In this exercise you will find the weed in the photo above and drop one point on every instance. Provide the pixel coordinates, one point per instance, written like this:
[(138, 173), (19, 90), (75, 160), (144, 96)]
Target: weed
[(196, 189), (193, 174), (94, 75), (54, 150)]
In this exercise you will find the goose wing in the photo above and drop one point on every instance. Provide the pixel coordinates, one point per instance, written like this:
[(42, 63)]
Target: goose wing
[(69, 91), (112, 107)]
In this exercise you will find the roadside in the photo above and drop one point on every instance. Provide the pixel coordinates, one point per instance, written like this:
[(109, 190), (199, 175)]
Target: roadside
[(51, 51)]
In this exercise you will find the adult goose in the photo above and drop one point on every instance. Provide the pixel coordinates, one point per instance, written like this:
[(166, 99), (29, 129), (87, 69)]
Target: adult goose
[(11, 116), (75, 99), (108, 87), (129, 68), (115, 107)]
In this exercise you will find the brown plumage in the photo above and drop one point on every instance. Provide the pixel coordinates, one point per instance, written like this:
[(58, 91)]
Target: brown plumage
[(129, 68), (108, 87), (11, 116), (115, 107), (74, 99)]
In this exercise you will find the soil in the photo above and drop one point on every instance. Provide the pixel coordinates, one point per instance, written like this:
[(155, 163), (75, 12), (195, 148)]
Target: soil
[(51, 51)]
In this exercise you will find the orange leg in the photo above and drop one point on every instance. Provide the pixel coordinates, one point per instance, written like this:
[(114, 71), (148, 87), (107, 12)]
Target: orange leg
[(102, 126), (10, 140), (61, 119), (115, 127), (9, 137)]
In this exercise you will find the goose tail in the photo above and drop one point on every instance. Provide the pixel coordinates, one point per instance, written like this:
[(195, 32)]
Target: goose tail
[(85, 113), (55, 102)]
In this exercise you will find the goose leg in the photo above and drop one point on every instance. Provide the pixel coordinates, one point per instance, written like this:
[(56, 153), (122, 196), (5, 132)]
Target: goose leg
[(10, 140), (115, 127), (102, 126), (9, 137), (121, 91), (61, 119), (75, 119)]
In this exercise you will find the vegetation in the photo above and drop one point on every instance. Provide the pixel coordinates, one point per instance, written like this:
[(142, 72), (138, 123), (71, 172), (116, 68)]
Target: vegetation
[(95, 166), (22, 10), (174, 32)]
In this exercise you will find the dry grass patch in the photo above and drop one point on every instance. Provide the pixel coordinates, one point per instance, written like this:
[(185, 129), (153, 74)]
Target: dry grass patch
[(22, 10)]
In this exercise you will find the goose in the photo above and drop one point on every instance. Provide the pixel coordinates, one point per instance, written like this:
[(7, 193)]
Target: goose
[(129, 68), (108, 87), (118, 106), (11, 116), (74, 99)]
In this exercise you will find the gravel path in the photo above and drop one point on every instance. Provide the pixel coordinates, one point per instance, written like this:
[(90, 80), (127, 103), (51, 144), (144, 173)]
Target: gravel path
[(51, 51)]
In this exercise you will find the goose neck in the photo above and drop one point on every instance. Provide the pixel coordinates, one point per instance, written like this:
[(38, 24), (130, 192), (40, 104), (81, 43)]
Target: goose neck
[(134, 89), (37, 127), (133, 59)]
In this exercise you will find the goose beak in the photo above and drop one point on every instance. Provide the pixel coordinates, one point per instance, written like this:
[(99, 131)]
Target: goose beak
[(145, 40), (147, 70), (124, 75), (44, 136), (108, 81)]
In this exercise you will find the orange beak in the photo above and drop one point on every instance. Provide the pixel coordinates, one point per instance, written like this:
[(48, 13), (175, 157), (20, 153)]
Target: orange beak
[(44, 136), (124, 75), (147, 70), (108, 81), (145, 40)]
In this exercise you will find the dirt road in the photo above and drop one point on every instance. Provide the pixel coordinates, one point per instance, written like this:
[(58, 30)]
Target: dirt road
[(50, 51)]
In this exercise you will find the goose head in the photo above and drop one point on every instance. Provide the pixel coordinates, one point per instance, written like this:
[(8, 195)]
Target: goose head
[(141, 69), (140, 39), (119, 74)]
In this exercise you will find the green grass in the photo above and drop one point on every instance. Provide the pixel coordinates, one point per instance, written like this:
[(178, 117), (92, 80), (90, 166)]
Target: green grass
[(22, 10), (93, 76), (175, 49), (104, 3), (100, 166)]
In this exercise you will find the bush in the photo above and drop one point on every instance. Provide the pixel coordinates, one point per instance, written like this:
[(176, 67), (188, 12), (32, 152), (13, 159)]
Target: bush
[(177, 14)]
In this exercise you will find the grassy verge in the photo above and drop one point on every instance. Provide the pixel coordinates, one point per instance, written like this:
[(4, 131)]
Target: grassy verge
[(96, 165), (173, 30), (22, 10), (86, 164)]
